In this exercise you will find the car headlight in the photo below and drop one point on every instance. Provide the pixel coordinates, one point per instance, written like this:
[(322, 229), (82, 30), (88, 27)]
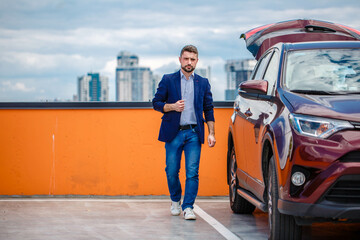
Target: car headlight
[(317, 126)]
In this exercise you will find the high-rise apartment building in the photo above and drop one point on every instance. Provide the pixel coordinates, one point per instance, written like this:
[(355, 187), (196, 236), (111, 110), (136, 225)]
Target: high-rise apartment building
[(237, 71), (204, 72), (155, 83), (93, 87), (133, 82)]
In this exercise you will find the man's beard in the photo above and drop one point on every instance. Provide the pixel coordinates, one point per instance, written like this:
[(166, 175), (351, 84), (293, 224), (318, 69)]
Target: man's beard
[(188, 70)]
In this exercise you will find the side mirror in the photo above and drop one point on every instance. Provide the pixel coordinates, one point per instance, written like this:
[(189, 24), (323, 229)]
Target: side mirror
[(254, 89), (254, 86)]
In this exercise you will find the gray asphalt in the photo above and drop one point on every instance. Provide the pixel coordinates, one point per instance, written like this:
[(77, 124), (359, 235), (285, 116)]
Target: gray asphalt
[(140, 218)]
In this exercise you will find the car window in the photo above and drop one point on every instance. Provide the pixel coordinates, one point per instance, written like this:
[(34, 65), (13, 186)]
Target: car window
[(261, 66), (272, 73), (327, 70)]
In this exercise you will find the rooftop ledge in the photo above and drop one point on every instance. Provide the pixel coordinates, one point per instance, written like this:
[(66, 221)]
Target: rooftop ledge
[(92, 105), (97, 148)]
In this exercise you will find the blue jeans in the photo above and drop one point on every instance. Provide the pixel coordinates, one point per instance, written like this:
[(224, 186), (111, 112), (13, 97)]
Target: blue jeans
[(189, 142)]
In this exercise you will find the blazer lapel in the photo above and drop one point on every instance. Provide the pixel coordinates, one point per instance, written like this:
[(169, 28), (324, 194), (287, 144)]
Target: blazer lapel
[(178, 84), (196, 89)]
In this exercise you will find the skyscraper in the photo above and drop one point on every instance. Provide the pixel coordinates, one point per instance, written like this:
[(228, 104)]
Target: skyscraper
[(133, 82), (93, 87), (204, 72), (237, 71)]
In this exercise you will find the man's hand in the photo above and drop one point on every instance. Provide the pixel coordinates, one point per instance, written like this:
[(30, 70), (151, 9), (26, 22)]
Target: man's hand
[(211, 140), (178, 106)]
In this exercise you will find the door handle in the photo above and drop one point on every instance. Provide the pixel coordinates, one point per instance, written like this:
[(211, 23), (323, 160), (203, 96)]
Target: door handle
[(248, 113)]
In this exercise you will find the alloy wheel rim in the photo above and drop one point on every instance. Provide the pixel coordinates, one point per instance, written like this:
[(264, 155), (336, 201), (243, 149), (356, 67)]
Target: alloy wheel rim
[(233, 177), (270, 202)]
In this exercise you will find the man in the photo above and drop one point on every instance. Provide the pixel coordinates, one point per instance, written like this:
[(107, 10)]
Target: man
[(183, 97)]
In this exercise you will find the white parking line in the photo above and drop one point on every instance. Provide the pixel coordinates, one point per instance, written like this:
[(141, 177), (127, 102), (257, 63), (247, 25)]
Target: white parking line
[(226, 233)]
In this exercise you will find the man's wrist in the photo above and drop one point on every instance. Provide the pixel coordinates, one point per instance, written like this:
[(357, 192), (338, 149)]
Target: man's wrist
[(168, 107)]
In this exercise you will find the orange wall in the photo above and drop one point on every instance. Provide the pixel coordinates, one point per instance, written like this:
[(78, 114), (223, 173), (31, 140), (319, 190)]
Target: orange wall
[(96, 152)]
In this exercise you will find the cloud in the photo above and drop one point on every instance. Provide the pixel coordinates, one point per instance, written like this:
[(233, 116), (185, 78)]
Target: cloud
[(29, 64), (18, 86), (109, 68), (36, 89), (156, 62), (46, 45)]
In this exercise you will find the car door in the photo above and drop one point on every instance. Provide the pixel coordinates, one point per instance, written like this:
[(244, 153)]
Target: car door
[(258, 114), (262, 112), (246, 116)]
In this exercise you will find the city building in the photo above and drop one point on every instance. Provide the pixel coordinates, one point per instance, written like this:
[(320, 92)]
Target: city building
[(237, 71), (204, 72), (133, 82), (155, 83), (93, 87)]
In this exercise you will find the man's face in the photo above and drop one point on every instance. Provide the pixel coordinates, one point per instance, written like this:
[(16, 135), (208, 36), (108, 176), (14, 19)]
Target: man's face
[(188, 61)]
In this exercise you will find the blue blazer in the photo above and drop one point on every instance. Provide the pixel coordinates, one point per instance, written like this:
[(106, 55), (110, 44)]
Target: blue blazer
[(169, 91)]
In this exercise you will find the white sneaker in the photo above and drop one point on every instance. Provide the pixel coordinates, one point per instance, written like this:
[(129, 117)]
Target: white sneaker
[(175, 208), (189, 214)]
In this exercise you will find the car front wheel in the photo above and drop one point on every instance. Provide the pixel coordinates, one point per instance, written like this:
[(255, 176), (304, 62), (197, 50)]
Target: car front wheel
[(281, 226), (237, 203)]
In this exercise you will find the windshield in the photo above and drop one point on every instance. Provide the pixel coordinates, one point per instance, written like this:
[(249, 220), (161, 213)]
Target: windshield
[(323, 70)]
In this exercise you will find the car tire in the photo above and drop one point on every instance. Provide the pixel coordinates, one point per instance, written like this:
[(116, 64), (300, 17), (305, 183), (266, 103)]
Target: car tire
[(281, 226), (237, 203)]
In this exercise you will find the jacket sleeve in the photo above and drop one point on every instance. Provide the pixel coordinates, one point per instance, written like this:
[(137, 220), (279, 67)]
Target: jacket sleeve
[(208, 104), (160, 96)]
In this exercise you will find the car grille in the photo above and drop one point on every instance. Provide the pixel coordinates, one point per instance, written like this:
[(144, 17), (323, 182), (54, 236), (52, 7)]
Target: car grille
[(351, 157), (345, 191)]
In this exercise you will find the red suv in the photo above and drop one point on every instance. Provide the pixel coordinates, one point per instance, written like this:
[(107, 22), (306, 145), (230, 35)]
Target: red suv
[(294, 136)]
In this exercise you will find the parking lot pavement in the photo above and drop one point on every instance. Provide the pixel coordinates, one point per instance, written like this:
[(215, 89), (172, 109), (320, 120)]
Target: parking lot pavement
[(135, 218)]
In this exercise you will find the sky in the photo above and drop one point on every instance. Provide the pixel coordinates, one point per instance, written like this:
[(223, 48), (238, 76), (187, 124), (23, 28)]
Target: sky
[(45, 45)]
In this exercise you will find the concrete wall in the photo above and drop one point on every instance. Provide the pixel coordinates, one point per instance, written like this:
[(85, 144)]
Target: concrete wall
[(96, 152)]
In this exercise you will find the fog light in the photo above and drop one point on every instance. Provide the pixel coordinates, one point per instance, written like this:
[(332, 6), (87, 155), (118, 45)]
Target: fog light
[(298, 178)]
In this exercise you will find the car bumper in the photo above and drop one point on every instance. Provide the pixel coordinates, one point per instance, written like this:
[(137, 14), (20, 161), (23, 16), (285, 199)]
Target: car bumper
[(332, 167), (318, 210)]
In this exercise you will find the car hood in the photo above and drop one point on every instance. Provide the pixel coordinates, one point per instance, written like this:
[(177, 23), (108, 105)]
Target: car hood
[(345, 107)]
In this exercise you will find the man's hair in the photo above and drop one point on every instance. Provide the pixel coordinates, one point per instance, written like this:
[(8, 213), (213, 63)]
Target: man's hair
[(189, 48)]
